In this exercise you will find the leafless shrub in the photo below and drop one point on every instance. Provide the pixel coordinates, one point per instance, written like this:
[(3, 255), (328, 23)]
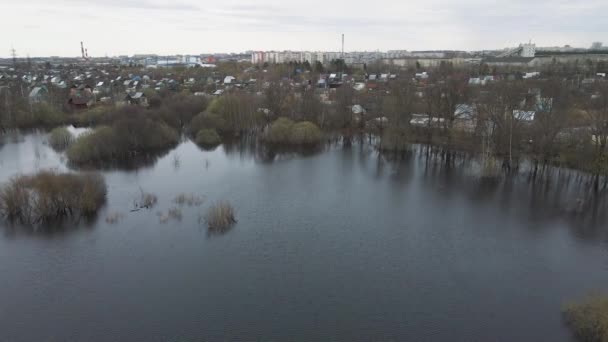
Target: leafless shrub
[(176, 161), (220, 215), (589, 318), (175, 213), (146, 200), (49, 195), (489, 167), (60, 138)]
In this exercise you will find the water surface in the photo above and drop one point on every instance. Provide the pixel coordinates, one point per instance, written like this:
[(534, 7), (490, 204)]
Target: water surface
[(343, 244)]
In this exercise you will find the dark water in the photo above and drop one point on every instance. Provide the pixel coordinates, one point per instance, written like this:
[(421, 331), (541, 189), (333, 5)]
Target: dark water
[(340, 245)]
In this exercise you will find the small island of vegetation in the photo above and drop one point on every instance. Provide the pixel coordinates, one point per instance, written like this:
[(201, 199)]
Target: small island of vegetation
[(589, 319), (220, 216), (47, 196), (128, 137)]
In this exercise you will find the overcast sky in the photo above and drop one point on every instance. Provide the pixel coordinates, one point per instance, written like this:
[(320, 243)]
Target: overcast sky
[(114, 27)]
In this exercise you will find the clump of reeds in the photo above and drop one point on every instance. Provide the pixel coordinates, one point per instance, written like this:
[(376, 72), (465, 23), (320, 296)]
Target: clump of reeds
[(589, 318), (114, 218), (49, 195), (146, 200), (173, 213), (188, 199), (220, 215), (60, 138)]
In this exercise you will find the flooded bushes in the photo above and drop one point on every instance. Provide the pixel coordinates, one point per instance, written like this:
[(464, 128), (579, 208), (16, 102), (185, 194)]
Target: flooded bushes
[(285, 131), (305, 133), (589, 319), (279, 130), (40, 115), (125, 139), (48, 196), (60, 138), (220, 216), (394, 139), (146, 200), (208, 137), (92, 146), (178, 110), (208, 120), (188, 199)]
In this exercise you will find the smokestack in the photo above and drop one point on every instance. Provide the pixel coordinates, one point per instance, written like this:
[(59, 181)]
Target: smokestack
[(86, 53), (82, 49), (343, 46)]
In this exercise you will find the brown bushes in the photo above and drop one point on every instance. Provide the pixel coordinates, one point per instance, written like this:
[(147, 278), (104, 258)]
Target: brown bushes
[(208, 137), (305, 133), (220, 216), (285, 131), (122, 141), (48, 195), (60, 138), (146, 200), (188, 199), (589, 319), (40, 115), (395, 139)]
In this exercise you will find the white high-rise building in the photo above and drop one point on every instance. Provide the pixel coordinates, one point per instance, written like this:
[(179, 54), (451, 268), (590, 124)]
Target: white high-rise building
[(528, 50)]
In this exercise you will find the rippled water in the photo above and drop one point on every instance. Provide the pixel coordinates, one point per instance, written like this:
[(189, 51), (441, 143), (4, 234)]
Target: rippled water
[(342, 244)]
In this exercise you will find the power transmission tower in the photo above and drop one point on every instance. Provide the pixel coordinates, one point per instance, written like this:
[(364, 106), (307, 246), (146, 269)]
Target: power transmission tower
[(14, 55)]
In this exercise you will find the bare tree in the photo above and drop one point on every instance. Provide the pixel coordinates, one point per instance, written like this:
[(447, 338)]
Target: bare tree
[(278, 98), (496, 109), (552, 106), (596, 111)]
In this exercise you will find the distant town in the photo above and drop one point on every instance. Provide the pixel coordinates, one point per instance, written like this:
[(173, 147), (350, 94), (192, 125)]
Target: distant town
[(456, 99), (526, 54)]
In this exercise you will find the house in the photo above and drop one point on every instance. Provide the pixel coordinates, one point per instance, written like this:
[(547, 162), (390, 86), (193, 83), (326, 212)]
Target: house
[(138, 99), (229, 79), (81, 97), (474, 81), (322, 83), (38, 95), (422, 120), (359, 86), (465, 115), (422, 75), (523, 115), (531, 74), (358, 109), (377, 123)]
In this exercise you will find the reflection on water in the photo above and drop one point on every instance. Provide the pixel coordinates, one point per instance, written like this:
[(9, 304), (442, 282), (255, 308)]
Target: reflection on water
[(338, 243)]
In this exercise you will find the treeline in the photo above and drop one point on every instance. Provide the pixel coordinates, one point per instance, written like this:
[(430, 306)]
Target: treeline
[(549, 121), (131, 132)]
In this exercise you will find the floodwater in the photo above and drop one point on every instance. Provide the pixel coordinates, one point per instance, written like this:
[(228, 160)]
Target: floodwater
[(343, 244)]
